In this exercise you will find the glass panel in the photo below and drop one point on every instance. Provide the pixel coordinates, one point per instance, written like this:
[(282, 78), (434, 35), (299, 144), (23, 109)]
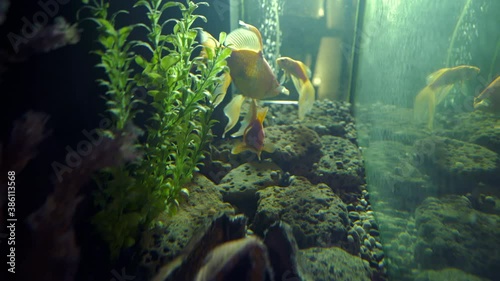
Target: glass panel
[(431, 157), (320, 34)]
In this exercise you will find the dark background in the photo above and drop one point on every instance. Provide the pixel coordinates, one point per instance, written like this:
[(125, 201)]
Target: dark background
[(62, 83)]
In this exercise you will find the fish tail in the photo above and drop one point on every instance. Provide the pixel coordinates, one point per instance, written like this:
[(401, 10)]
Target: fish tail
[(239, 148), (221, 90), (424, 106), (232, 111), (208, 42), (307, 97)]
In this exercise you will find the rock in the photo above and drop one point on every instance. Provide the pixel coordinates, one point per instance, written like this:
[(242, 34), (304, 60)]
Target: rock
[(297, 148), (476, 127), (381, 122), (447, 274), (341, 165), (392, 173), (240, 185), (452, 234), (463, 164), (172, 233), (326, 118), (316, 215), (333, 264)]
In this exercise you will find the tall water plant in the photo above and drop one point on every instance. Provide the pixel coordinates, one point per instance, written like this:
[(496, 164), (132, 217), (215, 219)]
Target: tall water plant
[(180, 86)]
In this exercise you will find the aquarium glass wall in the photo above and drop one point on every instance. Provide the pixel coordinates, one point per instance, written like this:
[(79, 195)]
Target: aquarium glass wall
[(426, 104)]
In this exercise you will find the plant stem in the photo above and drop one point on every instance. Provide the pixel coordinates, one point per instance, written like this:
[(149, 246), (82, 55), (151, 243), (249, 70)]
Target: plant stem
[(495, 56)]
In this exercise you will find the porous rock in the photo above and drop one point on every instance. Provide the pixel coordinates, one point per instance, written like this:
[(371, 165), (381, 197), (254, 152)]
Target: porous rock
[(317, 216), (297, 148), (333, 264), (452, 234), (460, 163), (171, 234), (341, 165), (240, 185)]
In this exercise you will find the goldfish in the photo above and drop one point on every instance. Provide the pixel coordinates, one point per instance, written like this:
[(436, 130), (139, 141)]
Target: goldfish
[(299, 74), (248, 70), (253, 133), (439, 85), (489, 99)]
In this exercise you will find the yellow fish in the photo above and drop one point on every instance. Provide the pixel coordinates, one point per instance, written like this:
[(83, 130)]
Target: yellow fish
[(253, 134), (249, 71), (439, 85), (300, 74), (489, 99)]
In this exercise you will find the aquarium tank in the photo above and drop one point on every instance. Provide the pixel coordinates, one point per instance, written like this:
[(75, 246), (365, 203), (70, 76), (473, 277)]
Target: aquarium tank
[(261, 140)]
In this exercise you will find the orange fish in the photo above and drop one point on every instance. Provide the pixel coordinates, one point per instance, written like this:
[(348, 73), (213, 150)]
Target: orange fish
[(249, 71), (489, 99), (300, 74), (439, 85), (253, 134)]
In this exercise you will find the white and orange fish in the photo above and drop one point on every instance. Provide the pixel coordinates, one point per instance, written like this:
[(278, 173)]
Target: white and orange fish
[(489, 99), (439, 85), (248, 70), (300, 75)]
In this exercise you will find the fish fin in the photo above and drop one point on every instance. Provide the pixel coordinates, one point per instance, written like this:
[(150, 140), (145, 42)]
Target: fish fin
[(258, 154), (282, 90), (269, 147), (221, 90), (284, 78), (306, 95), (431, 78), (208, 42), (254, 30), (442, 92), (261, 114), (432, 111), (424, 106), (305, 69), (244, 39), (245, 122), (491, 89), (232, 111), (239, 148)]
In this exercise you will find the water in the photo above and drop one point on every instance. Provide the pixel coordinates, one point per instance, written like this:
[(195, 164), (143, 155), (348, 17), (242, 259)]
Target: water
[(427, 197), (370, 169), (270, 29)]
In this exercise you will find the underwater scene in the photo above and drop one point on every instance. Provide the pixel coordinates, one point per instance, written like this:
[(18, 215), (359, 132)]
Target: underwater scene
[(258, 140)]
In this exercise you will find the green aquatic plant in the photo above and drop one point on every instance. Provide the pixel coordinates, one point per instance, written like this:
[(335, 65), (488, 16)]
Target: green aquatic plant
[(494, 61), (180, 86), (454, 35), (116, 57)]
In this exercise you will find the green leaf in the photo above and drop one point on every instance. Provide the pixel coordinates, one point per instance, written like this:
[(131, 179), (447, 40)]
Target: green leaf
[(222, 37), (170, 4), (168, 61), (143, 3), (153, 75), (143, 44), (107, 25), (140, 61)]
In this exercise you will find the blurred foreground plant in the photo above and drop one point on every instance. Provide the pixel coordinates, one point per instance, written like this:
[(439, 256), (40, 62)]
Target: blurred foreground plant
[(180, 86)]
